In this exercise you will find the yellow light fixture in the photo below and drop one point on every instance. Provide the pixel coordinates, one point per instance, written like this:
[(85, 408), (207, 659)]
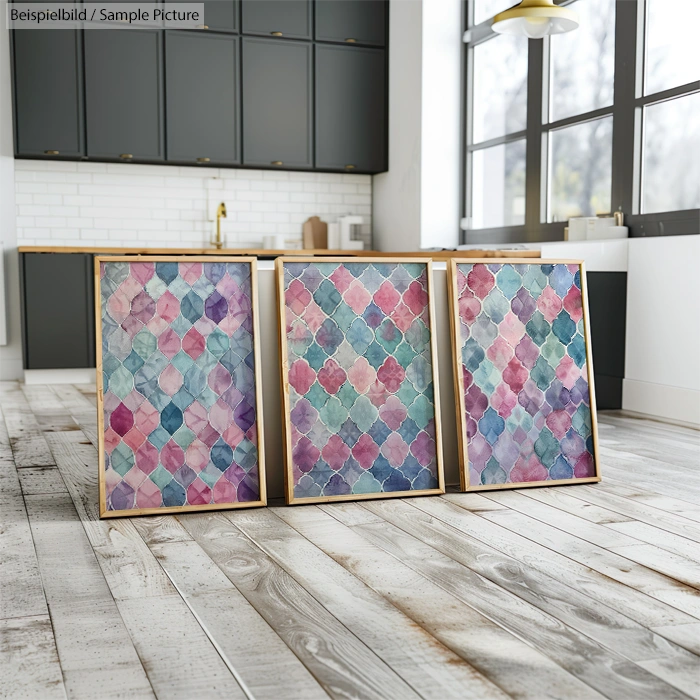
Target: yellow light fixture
[(535, 19)]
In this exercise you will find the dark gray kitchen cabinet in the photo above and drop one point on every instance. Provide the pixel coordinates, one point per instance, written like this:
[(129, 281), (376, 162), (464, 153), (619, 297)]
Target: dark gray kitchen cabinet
[(277, 103), (202, 103), (124, 94), (58, 319), (607, 303), (279, 18), (219, 15), (48, 92), (351, 21), (350, 100)]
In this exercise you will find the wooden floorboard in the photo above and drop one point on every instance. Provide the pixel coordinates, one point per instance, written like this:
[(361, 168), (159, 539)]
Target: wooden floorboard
[(30, 666), (94, 647), (251, 647), (29, 447), (571, 592), (604, 628), (341, 663), (500, 656), (431, 669)]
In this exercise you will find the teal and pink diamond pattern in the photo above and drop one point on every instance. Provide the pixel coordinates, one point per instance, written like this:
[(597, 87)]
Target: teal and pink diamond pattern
[(180, 426), (360, 375), (524, 371)]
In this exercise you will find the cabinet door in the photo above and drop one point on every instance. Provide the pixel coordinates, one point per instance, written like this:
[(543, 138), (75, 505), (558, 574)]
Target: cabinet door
[(352, 21), (124, 93), (277, 103), (48, 89), (287, 18), (202, 97), (221, 15), (350, 109), (58, 309)]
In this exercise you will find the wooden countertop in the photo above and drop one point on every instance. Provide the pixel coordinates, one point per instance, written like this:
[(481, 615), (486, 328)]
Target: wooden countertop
[(258, 252)]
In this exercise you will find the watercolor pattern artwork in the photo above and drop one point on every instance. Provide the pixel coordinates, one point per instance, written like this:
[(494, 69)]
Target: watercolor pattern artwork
[(180, 416), (359, 382), (526, 406)]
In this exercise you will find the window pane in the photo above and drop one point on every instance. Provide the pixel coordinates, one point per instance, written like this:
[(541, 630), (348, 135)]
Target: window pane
[(671, 162), (580, 166), (673, 50), (498, 186), (500, 87), (485, 9), (583, 61)]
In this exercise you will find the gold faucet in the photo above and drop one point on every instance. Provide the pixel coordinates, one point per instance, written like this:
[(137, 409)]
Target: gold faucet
[(221, 211)]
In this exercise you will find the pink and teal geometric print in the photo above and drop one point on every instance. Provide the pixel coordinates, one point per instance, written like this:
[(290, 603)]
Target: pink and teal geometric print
[(180, 426), (360, 375), (524, 372)]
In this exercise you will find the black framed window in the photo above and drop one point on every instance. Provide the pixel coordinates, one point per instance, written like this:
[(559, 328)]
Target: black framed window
[(601, 119)]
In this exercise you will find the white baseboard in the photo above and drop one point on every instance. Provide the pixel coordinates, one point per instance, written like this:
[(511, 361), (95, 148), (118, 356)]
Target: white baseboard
[(659, 400), (60, 376)]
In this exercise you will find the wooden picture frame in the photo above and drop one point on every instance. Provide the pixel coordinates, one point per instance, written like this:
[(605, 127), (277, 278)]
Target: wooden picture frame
[(458, 341), (261, 500), (291, 494)]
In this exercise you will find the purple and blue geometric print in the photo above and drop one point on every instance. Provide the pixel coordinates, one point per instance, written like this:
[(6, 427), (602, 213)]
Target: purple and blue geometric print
[(360, 377), (524, 373), (180, 427)]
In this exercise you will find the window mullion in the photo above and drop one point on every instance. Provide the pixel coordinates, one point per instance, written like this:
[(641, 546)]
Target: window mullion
[(626, 140), (533, 153)]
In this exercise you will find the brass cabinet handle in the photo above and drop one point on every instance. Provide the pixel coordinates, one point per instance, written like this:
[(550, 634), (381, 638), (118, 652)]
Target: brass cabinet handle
[(349, 167), (126, 156), (51, 153), (276, 162), (203, 160), (351, 41), (276, 33), (202, 26)]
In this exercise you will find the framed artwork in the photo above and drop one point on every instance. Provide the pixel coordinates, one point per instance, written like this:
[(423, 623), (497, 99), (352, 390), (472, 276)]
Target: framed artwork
[(178, 384), (523, 374), (359, 379)]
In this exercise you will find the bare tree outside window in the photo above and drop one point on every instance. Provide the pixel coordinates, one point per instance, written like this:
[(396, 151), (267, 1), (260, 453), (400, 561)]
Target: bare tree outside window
[(671, 164), (672, 47), (582, 66), (583, 62), (500, 87), (580, 170)]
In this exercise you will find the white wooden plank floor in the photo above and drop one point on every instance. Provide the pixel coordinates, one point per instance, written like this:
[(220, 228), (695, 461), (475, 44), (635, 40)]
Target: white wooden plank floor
[(570, 592)]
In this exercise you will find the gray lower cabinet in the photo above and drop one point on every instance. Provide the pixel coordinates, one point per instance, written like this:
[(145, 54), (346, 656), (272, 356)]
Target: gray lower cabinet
[(58, 310), (124, 89), (351, 22), (221, 15), (277, 103), (607, 303), (48, 92), (203, 102), (350, 109), (279, 18)]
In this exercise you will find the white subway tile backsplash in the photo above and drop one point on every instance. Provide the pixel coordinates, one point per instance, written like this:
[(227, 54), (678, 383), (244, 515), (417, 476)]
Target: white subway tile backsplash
[(263, 185), (126, 204), (344, 189), (306, 197)]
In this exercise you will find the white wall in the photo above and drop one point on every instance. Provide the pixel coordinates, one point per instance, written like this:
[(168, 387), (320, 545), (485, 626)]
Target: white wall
[(417, 202), (441, 141), (10, 354), (397, 193), (662, 347), (126, 204)]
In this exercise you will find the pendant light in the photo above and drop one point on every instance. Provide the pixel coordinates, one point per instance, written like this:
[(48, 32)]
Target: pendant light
[(535, 19)]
